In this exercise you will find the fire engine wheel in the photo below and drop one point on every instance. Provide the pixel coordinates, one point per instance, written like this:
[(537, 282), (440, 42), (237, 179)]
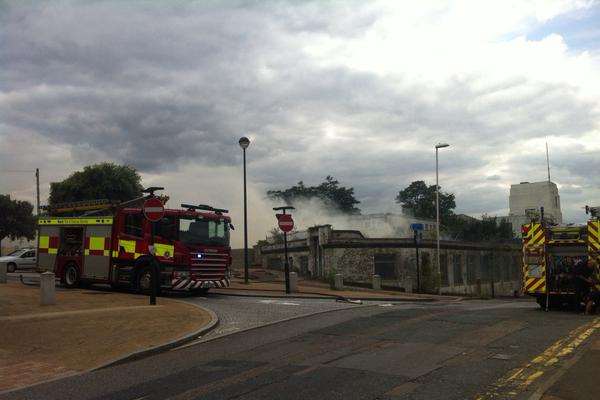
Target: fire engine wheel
[(71, 276)]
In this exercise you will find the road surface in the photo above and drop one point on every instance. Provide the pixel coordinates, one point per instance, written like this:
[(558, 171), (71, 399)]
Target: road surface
[(467, 350)]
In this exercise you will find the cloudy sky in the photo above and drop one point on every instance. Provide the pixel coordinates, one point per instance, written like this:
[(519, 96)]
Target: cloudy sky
[(359, 90)]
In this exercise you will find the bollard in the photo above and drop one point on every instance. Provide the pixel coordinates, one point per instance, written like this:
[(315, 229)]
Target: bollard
[(47, 288), (376, 282), (2, 273), (338, 282), (293, 282)]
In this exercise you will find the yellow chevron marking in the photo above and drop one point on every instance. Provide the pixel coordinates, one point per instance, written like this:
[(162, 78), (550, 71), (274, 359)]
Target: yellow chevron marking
[(535, 287), (539, 237), (593, 244)]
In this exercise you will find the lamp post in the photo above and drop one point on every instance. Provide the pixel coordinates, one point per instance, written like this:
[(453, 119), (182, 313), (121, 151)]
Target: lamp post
[(244, 143), (437, 203)]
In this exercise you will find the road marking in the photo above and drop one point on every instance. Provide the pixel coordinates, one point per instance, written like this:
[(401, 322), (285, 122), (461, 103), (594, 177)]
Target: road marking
[(279, 302), (520, 379)]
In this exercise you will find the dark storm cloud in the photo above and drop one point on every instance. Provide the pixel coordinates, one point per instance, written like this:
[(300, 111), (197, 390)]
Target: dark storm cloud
[(160, 84)]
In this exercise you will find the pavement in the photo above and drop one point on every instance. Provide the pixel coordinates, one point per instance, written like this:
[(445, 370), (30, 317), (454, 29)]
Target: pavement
[(83, 330), (404, 350), (317, 289)]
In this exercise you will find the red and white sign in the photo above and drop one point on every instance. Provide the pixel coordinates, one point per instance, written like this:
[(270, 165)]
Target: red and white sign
[(286, 223), (154, 209)]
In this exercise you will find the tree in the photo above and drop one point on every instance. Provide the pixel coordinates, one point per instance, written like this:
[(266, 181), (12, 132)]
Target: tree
[(486, 229), (419, 200), (99, 181), (337, 197), (16, 219)]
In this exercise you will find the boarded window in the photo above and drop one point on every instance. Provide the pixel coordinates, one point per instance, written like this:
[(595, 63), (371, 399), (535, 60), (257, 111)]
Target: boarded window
[(274, 263), (471, 269), (457, 269), (303, 264), (133, 224), (517, 268), (486, 267), (506, 268), (444, 269), (385, 265)]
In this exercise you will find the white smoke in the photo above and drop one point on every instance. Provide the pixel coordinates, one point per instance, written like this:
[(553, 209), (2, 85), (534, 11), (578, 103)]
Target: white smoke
[(314, 211)]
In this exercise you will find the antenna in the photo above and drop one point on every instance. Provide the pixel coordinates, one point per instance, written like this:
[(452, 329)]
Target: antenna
[(548, 161)]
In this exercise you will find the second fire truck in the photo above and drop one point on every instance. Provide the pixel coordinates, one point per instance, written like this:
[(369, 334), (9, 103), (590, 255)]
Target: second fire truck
[(551, 252), (116, 246)]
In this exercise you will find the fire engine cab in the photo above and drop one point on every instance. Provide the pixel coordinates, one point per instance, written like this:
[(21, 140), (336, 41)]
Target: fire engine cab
[(116, 244)]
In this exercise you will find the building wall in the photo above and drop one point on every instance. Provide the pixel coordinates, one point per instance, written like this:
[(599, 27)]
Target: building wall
[(533, 195), (470, 269)]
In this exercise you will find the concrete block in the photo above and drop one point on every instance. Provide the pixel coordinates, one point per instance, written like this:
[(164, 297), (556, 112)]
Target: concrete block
[(3, 273), (293, 282), (376, 282), (338, 283), (47, 288)]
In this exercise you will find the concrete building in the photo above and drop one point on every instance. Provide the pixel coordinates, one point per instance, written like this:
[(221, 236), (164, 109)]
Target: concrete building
[(478, 269), (530, 196)]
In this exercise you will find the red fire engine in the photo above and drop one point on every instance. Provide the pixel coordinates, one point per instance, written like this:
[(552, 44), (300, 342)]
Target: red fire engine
[(113, 244)]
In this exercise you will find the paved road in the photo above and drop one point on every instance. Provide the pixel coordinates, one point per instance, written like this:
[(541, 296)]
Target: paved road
[(241, 313), (474, 349)]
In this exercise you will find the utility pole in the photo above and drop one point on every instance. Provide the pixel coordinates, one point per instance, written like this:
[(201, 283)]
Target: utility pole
[(548, 161), (244, 142), (37, 186), (437, 204)]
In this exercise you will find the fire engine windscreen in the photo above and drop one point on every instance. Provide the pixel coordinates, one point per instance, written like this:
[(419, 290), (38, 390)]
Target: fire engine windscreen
[(203, 231)]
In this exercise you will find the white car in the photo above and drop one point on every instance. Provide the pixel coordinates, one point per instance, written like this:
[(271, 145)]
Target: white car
[(19, 259)]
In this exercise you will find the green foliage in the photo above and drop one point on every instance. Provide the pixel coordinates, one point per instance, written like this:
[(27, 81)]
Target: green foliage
[(430, 278), (418, 199), (479, 230), (337, 197), (99, 181), (330, 278), (276, 234), (16, 218)]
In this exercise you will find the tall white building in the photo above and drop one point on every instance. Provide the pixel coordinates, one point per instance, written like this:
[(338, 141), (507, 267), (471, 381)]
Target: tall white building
[(531, 196)]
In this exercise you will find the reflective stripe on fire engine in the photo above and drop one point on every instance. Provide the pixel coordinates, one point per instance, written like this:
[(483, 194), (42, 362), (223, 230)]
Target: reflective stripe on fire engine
[(594, 244), (535, 235), (76, 221), (594, 236), (164, 250), (187, 283), (97, 246), (48, 244), (128, 247), (537, 285)]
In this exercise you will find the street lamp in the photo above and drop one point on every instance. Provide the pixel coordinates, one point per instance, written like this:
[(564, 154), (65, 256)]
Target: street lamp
[(244, 143), (437, 203)]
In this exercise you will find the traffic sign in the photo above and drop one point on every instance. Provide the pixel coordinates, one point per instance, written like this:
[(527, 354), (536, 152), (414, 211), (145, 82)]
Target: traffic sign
[(416, 227), (285, 221), (154, 210)]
